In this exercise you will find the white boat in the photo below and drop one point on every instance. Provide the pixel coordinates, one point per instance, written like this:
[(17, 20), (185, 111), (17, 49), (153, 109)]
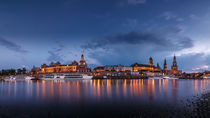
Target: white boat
[(9, 78), (205, 77), (59, 77), (28, 78), (155, 77), (104, 77), (170, 77), (66, 77), (78, 77), (166, 77), (47, 77)]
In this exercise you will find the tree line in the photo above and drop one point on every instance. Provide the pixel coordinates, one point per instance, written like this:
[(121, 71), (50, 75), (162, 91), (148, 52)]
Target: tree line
[(6, 72)]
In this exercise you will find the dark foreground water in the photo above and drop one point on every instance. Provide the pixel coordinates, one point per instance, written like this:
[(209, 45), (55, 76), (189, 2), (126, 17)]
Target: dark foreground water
[(99, 98)]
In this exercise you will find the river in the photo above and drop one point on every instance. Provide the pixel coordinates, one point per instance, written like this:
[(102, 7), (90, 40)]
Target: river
[(98, 98)]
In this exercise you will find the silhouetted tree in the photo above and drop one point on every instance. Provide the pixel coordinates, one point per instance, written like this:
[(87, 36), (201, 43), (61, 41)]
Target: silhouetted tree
[(19, 71), (8, 72), (24, 71)]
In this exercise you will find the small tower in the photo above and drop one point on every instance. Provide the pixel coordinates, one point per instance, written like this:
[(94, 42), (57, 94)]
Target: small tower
[(82, 62), (174, 67), (165, 67), (150, 61), (158, 66), (82, 58)]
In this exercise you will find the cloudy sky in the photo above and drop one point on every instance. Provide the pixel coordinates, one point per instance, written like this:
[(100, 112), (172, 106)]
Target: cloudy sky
[(33, 32)]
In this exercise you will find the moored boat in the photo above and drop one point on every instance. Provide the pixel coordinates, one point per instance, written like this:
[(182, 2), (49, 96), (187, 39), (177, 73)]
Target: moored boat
[(29, 78), (155, 77), (9, 78), (66, 77), (170, 77), (78, 76)]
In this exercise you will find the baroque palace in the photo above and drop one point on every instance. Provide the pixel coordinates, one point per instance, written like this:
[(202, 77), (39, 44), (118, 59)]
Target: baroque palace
[(59, 68)]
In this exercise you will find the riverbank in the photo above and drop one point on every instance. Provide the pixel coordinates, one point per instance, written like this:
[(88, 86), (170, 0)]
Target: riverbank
[(201, 107)]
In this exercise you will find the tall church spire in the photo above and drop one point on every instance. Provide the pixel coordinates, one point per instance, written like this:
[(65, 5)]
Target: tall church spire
[(165, 67), (82, 57), (150, 61), (174, 60), (174, 66)]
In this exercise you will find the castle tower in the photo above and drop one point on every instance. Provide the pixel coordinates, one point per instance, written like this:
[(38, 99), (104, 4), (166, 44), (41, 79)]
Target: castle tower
[(165, 67), (150, 61), (83, 65), (82, 62), (82, 58), (174, 67)]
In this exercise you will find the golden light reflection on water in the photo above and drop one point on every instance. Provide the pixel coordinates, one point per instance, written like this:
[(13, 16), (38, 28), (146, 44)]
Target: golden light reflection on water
[(103, 89)]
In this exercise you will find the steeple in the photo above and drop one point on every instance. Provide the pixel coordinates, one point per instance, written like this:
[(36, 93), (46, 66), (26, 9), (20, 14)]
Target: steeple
[(174, 60), (150, 61), (165, 66), (165, 62), (158, 66), (82, 62), (82, 57), (174, 65)]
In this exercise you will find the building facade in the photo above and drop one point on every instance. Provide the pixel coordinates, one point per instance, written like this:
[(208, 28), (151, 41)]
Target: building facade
[(118, 68), (112, 70), (146, 68), (174, 68), (59, 68)]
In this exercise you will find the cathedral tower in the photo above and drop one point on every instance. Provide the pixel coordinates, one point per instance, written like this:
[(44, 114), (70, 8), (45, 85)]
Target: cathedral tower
[(82, 62), (174, 67), (150, 61), (165, 67)]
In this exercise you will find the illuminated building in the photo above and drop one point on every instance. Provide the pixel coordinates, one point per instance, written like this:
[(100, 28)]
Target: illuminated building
[(158, 67), (83, 65), (174, 68), (58, 68), (150, 61), (146, 68), (118, 68), (112, 70), (165, 70)]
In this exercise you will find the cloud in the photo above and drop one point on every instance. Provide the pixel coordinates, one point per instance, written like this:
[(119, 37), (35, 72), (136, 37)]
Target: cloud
[(180, 19), (137, 46), (131, 23), (55, 54), (201, 68), (194, 17), (168, 15), (136, 2), (11, 45), (194, 62), (142, 38)]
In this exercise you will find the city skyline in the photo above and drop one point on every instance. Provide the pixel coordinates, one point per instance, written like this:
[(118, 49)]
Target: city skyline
[(107, 32)]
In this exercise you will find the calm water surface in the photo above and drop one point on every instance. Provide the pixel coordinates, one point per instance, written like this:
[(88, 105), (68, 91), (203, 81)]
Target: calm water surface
[(84, 98)]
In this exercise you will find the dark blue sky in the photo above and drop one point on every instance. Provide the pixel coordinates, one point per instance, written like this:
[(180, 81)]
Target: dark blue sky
[(33, 32)]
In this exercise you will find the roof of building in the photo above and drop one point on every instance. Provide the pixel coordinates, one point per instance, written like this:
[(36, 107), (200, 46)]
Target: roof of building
[(99, 67), (141, 65), (117, 66)]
